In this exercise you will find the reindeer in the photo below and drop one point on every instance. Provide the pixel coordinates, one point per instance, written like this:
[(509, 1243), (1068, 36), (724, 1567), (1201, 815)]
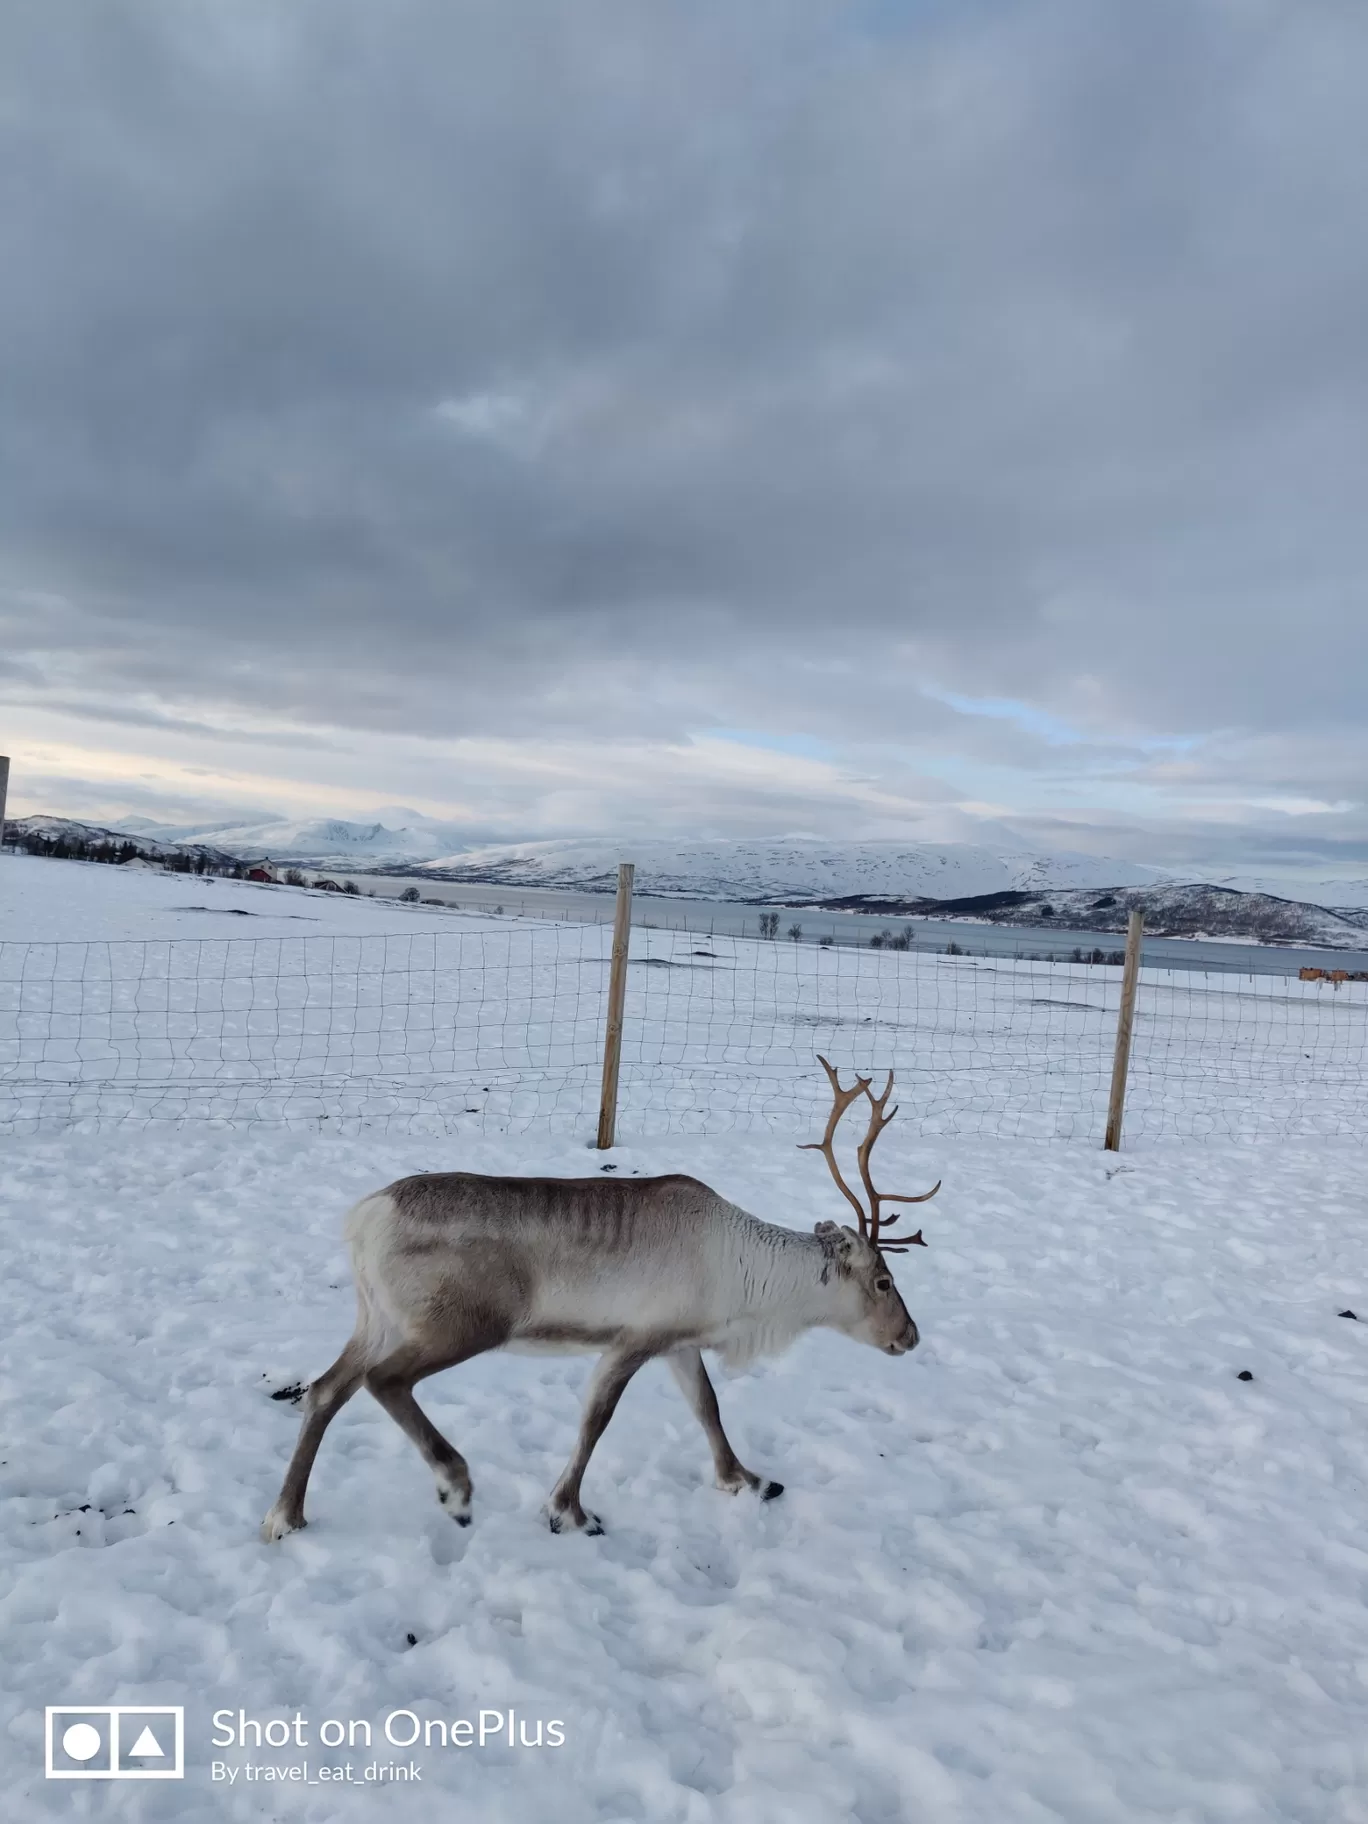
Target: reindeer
[(449, 1265)]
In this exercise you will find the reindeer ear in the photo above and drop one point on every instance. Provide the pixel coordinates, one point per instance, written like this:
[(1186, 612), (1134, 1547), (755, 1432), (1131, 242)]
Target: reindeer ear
[(835, 1247)]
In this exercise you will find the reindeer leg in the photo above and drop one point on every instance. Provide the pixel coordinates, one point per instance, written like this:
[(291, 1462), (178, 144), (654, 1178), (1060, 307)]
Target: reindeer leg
[(324, 1399), (686, 1365), (392, 1382), (612, 1374)]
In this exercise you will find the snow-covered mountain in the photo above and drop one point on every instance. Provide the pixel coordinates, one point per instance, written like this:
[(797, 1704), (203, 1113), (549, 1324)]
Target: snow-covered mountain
[(1064, 890), (1172, 909), (1338, 895), (97, 835), (393, 839), (787, 872), (782, 870)]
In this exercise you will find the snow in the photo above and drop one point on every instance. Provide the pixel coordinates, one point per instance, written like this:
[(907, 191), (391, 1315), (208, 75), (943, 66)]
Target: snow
[(1060, 1564), (394, 835), (345, 1011), (87, 901), (1173, 910), (1338, 893), (795, 871)]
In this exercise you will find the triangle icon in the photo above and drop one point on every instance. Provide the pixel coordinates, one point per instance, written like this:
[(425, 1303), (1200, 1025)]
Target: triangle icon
[(147, 1744)]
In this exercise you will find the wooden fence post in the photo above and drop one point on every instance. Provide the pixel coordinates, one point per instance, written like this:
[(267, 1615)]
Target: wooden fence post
[(1125, 1021), (617, 994)]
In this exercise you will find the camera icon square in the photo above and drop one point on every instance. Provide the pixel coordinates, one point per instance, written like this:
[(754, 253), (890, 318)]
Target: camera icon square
[(115, 1742)]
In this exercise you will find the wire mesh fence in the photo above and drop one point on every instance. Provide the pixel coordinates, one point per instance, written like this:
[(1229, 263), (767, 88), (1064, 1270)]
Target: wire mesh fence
[(502, 1029)]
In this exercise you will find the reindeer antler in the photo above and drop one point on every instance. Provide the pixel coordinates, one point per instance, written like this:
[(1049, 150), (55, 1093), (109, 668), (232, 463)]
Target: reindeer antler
[(841, 1100), (878, 1121)]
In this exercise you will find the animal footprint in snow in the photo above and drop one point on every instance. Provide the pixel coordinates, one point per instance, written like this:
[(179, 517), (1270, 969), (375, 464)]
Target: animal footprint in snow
[(100, 1525)]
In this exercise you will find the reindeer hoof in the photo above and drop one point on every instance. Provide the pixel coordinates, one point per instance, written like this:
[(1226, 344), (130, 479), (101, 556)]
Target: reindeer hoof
[(560, 1520), (278, 1524), (457, 1503), (771, 1491)]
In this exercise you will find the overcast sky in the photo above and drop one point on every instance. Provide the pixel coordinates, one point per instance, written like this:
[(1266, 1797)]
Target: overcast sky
[(944, 419)]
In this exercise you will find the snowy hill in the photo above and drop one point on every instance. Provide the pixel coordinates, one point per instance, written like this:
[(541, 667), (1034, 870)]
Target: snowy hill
[(784, 872), (67, 830), (1171, 910), (1348, 896), (964, 880), (396, 837)]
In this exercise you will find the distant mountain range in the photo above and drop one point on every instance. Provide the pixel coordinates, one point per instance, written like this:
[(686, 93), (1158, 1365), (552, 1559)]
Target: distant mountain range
[(403, 840), (1193, 909), (71, 831), (396, 838), (1060, 891), (1347, 896), (799, 871)]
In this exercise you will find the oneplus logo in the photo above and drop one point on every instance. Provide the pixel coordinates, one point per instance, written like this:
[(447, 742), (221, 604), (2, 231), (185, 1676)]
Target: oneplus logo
[(115, 1742)]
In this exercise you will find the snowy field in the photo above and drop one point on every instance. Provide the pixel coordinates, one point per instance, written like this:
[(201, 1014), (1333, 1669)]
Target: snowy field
[(243, 1004), (1061, 1564), (88, 902)]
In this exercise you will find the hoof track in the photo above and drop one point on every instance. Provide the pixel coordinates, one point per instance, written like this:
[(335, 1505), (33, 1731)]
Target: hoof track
[(97, 1526)]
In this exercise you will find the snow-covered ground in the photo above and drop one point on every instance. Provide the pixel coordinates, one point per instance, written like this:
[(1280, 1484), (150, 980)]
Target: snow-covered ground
[(1060, 1564), (246, 1004), (44, 901)]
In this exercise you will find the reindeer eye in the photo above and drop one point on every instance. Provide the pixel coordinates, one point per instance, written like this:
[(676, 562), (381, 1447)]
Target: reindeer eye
[(883, 1283)]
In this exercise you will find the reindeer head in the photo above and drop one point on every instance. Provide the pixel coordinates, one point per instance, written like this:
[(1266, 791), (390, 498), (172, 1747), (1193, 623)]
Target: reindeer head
[(876, 1312)]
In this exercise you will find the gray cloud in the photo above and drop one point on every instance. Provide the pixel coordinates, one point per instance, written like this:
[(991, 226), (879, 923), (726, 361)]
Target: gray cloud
[(629, 370), (129, 716)]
